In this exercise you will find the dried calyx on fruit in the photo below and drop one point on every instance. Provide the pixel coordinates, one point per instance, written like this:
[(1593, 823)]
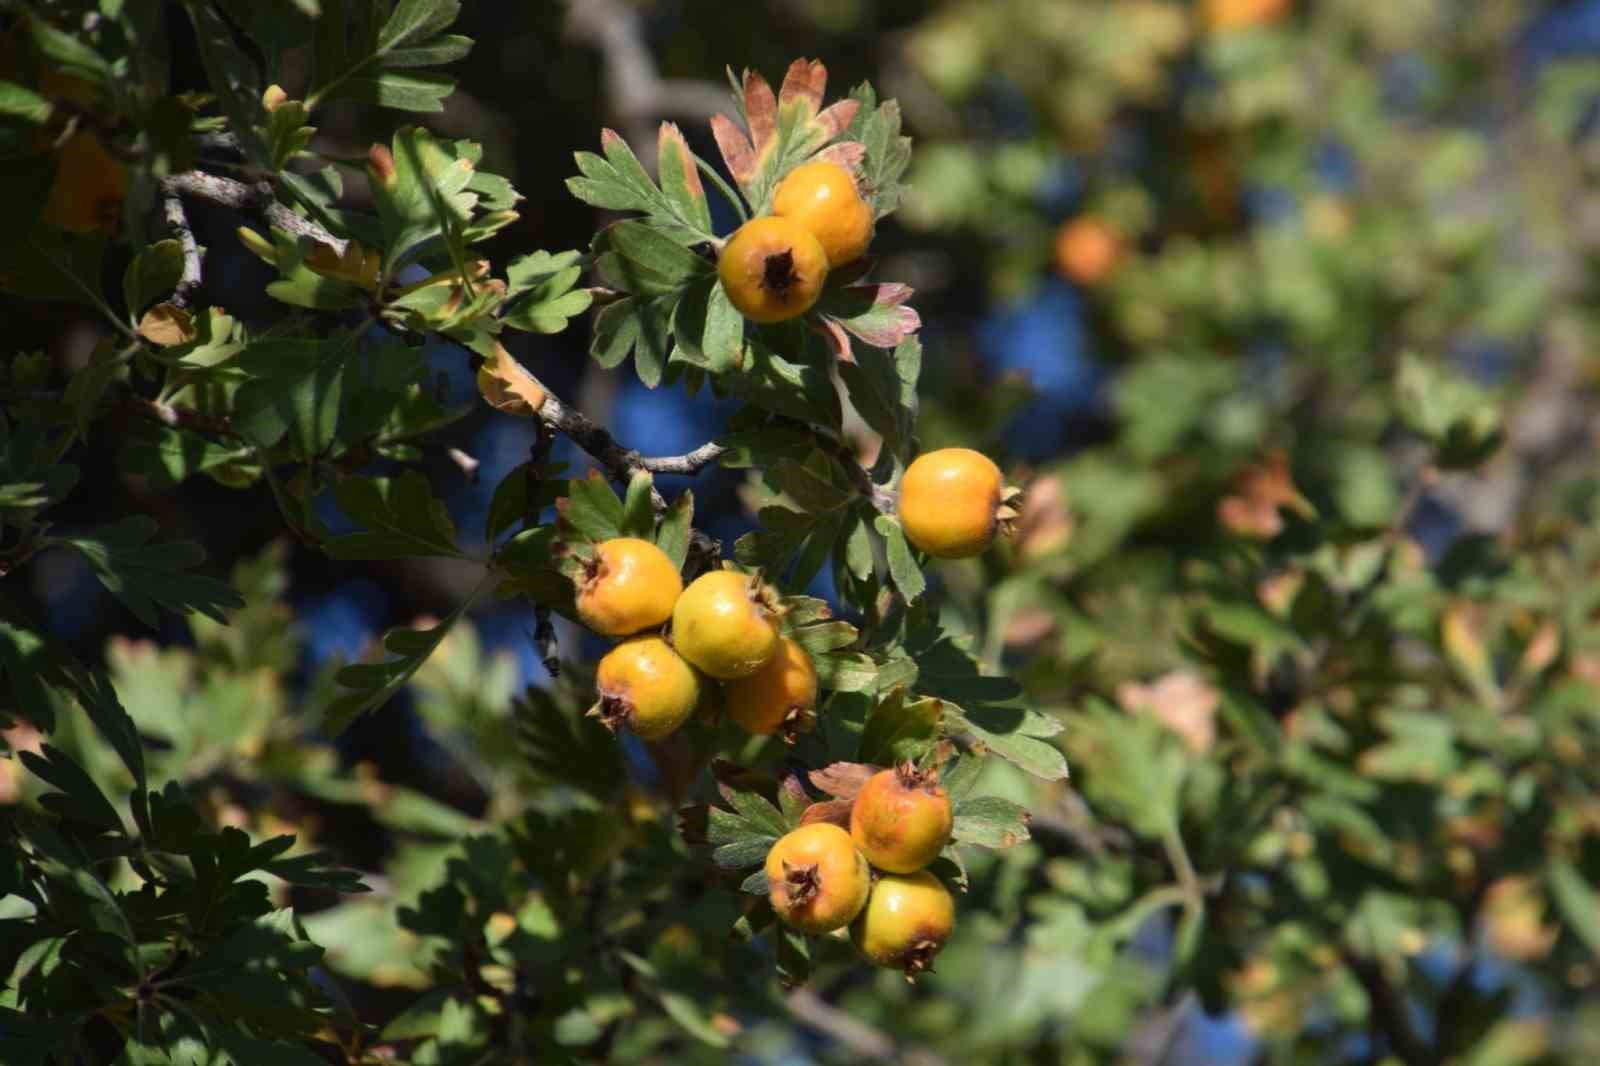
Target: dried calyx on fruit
[(906, 922), (816, 879), (901, 819), (725, 624), (781, 697), (953, 501), (772, 269), (647, 687), (628, 585)]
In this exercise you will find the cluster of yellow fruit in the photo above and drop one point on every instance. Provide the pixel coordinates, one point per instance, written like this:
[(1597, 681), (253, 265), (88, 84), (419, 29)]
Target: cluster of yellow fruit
[(724, 627), (872, 879), (773, 267)]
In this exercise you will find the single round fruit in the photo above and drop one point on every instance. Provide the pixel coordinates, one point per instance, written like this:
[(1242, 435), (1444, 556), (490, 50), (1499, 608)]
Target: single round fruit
[(646, 686), (630, 585), (817, 880), (89, 186), (1087, 250), (723, 623), (1239, 14), (905, 923), (773, 269), (781, 696), (901, 819), (824, 199), (952, 501)]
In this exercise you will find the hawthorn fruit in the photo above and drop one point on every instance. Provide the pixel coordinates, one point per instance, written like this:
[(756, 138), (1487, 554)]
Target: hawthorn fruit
[(824, 199), (905, 923), (816, 879), (773, 269), (629, 586), (647, 687), (901, 819), (953, 501), (724, 624), (779, 697)]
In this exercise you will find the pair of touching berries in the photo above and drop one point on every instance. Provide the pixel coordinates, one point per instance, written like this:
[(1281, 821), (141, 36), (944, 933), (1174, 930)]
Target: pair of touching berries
[(821, 878), (724, 626), (773, 267)]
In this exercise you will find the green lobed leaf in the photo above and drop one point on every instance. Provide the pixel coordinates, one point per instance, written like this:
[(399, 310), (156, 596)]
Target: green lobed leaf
[(404, 519), (676, 526), (990, 822), (149, 577)]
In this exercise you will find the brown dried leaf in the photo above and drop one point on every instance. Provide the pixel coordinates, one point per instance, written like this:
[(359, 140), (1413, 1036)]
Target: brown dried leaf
[(1182, 701), (835, 811), (842, 780), (1259, 491), (165, 325), (507, 386)]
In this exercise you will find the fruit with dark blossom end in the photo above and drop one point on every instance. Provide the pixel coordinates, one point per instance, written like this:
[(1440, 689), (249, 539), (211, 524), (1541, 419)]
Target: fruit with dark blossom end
[(906, 922), (901, 819), (816, 879)]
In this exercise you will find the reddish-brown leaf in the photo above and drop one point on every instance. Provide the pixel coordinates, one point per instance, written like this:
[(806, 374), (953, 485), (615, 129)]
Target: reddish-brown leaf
[(835, 811), (848, 154), (842, 780), (760, 111), (805, 83), (836, 117), (735, 148)]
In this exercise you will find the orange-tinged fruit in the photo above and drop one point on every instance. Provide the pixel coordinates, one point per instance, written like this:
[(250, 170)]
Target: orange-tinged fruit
[(1239, 14), (723, 624), (901, 819), (905, 923), (772, 269), (953, 501), (1088, 250), (647, 687), (816, 879), (781, 696), (630, 585), (89, 187), (824, 199)]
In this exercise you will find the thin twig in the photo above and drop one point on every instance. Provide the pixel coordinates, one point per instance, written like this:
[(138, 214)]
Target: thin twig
[(179, 417), (689, 463), (852, 1033), (258, 198), (178, 222)]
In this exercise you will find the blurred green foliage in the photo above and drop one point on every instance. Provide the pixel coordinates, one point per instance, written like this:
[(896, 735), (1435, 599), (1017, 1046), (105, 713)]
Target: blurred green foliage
[(1306, 609)]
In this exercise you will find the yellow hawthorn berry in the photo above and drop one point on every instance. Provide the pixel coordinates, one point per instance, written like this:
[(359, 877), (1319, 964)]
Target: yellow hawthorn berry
[(646, 686), (781, 696), (630, 585), (89, 186), (816, 879), (952, 501), (905, 923), (772, 269), (901, 819), (1088, 250), (1238, 14), (824, 199), (724, 624)]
